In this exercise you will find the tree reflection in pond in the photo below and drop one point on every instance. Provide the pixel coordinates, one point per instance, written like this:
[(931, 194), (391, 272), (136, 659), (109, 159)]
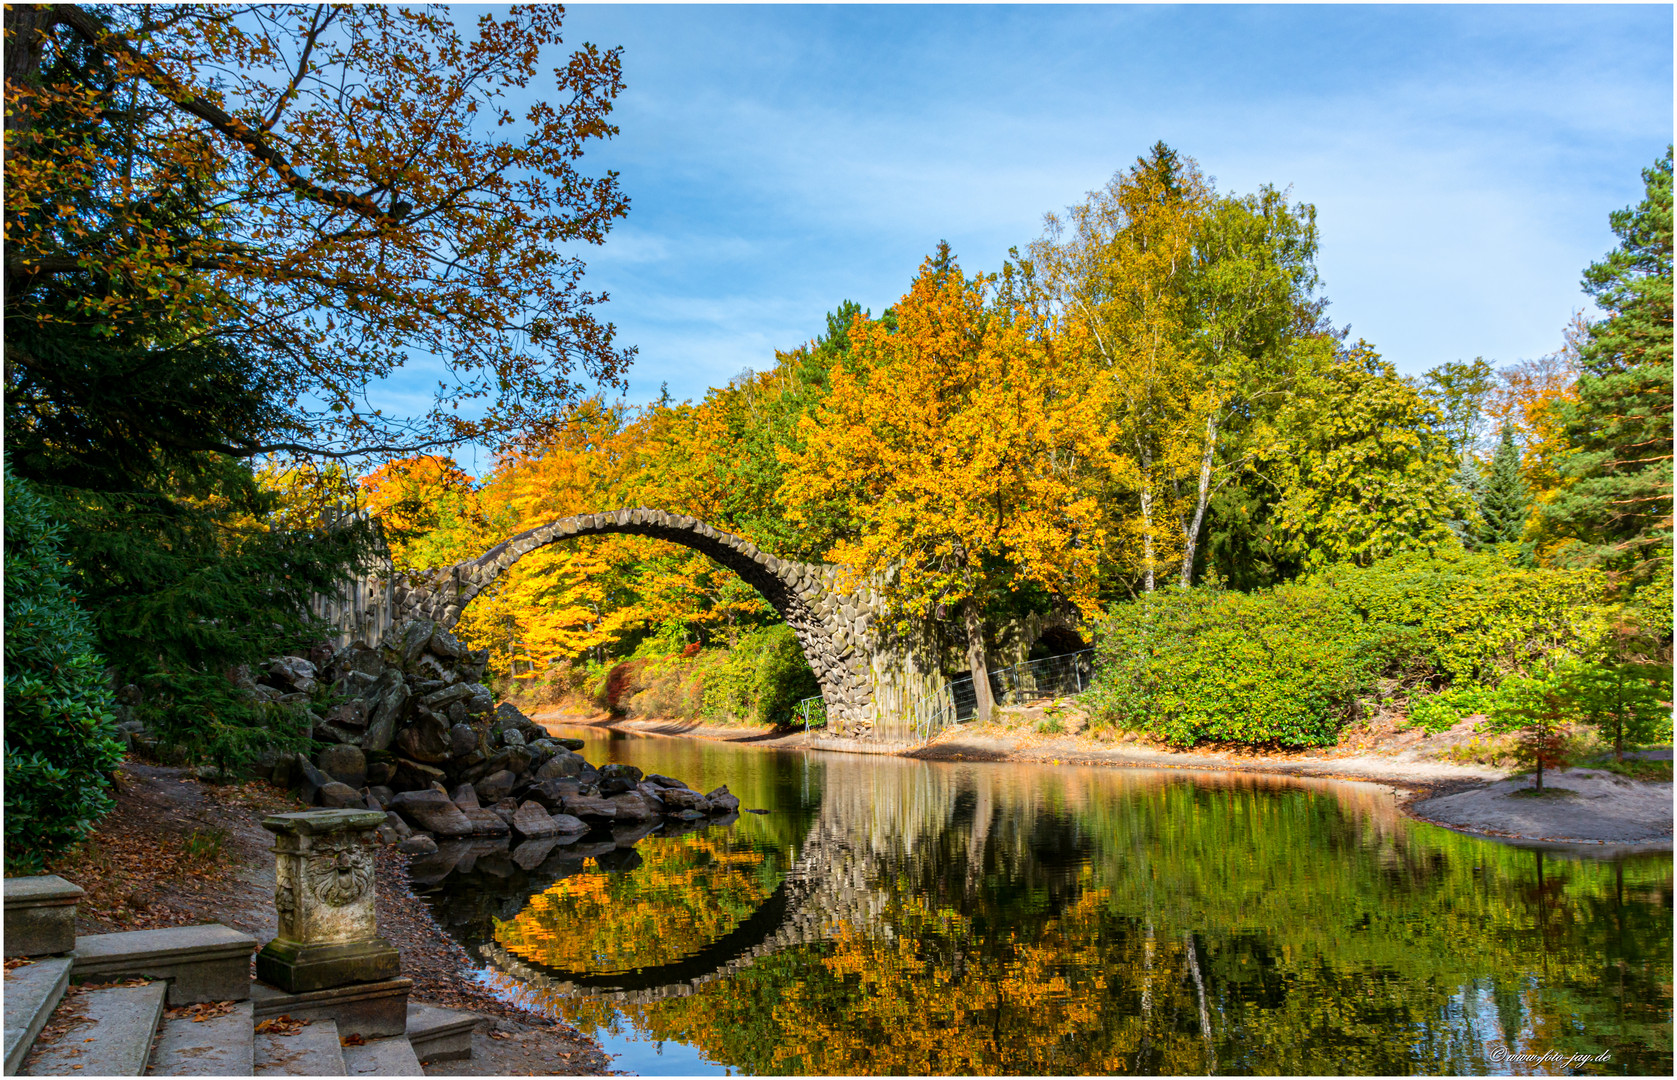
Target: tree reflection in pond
[(688, 892), (1013, 920)]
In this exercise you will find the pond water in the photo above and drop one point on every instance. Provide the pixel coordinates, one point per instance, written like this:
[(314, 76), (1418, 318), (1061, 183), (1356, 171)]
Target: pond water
[(890, 916)]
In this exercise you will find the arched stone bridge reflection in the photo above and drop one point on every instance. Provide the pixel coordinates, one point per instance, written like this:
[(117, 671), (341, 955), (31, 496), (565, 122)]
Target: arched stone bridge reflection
[(825, 889)]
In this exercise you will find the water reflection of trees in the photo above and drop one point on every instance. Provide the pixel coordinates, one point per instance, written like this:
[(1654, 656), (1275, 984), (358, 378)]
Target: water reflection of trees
[(1015, 920)]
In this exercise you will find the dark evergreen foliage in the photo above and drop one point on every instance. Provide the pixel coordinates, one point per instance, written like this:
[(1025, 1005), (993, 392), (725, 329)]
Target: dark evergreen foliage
[(60, 724), (1505, 499), (1613, 509)]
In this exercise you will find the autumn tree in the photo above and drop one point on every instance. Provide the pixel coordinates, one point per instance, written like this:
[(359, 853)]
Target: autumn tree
[(328, 191), (959, 434), (1200, 309)]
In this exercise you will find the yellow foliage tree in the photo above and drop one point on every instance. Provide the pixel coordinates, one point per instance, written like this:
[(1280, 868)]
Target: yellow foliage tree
[(961, 436)]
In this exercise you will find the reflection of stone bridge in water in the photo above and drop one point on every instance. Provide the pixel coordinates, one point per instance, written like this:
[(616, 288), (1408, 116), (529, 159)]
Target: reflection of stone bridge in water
[(886, 821), (825, 889)]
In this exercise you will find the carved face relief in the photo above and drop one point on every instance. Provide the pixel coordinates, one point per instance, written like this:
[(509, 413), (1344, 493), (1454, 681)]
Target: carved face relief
[(338, 876)]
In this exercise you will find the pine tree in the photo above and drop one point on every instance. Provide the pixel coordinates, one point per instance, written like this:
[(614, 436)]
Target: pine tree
[(1613, 508), (1505, 499)]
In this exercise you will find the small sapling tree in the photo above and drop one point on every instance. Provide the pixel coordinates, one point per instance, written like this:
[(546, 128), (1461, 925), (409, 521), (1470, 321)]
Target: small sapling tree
[(1537, 710)]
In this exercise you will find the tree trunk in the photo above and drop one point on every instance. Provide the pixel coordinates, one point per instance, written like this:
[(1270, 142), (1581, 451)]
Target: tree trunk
[(1191, 533), (977, 660), (1147, 582)]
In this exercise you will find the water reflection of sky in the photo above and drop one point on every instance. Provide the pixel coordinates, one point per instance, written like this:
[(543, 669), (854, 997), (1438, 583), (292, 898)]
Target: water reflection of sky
[(984, 918)]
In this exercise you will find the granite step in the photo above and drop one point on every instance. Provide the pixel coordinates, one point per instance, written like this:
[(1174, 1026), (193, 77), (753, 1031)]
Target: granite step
[(312, 1051), (200, 963), (383, 1057), (32, 993), (115, 1040), (221, 1046), (440, 1034), (40, 915)]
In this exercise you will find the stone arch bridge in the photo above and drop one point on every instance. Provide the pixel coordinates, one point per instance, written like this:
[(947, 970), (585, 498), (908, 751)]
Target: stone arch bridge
[(866, 677)]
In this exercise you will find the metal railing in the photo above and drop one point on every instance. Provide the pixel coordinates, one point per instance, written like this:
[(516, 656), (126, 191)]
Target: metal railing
[(813, 712), (1053, 676)]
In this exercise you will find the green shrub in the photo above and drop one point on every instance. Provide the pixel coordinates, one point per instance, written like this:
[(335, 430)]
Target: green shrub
[(1442, 711), (1283, 666), (60, 719), (763, 678), (1477, 616)]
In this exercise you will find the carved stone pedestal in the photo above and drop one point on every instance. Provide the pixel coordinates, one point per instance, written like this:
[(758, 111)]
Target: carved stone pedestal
[(323, 887)]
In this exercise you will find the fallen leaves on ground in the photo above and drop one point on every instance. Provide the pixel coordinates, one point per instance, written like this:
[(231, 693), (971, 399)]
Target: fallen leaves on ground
[(356, 1039), (202, 1011), (15, 962), (281, 1025)]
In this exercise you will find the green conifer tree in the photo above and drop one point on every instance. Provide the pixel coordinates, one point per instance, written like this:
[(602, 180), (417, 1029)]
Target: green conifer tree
[(1613, 508), (1505, 498)]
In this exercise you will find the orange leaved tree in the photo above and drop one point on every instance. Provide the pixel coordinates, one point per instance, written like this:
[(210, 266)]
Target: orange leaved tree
[(959, 437)]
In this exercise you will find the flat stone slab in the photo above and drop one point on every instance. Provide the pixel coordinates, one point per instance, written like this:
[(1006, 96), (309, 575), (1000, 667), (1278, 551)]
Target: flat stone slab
[(440, 1034), (40, 915), (115, 1041), (382, 1057), (32, 993), (1596, 807), (201, 963), (371, 1010), (222, 1046), (311, 1051)]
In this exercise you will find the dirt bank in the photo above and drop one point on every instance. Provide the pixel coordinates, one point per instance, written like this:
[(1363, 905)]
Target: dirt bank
[(176, 851), (1604, 810)]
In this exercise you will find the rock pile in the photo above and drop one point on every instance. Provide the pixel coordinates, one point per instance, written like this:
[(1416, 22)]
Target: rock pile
[(412, 731)]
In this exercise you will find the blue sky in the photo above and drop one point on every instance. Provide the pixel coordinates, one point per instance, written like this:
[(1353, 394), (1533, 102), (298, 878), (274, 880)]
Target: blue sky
[(1463, 160)]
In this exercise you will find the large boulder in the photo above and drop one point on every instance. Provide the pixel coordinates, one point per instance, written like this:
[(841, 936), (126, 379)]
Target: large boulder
[(414, 775), (432, 812), (462, 739), (292, 673), (721, 802), (633, 806), (486, 822), (679, 799), (386, 699), (665, 781), (345, 722), (346, 764), (619, 771), (336, 796), (465, 797), (551, 793), (426, 739), (531, 821), (404, 645), (586, 806), (561, 765), (496, 786)]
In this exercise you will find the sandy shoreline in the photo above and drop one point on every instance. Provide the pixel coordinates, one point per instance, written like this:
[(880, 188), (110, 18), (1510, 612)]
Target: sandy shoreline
[(1603, 813)]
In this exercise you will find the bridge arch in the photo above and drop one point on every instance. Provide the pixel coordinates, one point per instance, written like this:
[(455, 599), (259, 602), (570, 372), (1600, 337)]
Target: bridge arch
[(832, 627)]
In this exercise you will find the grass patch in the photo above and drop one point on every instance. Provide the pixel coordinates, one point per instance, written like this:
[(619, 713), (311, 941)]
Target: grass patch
[(1651, 772)]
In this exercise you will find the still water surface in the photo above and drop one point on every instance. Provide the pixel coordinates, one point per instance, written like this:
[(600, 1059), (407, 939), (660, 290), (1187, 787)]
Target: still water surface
[(890, 916)]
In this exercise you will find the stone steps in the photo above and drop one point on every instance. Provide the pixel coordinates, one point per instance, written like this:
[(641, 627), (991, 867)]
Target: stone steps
[(32, 993), (383, 1057), (312, 1051), (222, 1046), (114, 1041), (200, 963), (440, 1034)]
